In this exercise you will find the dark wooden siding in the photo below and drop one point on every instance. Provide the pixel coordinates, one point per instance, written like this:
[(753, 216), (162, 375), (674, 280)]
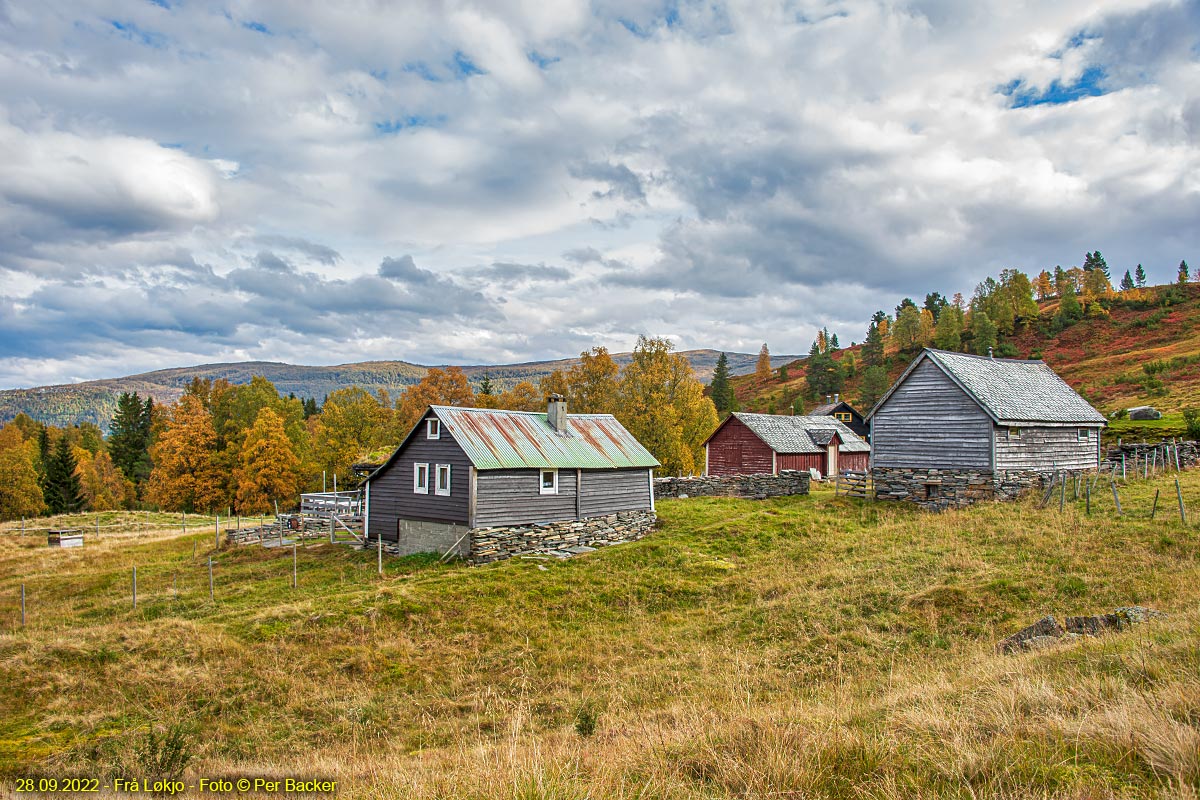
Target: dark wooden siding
[(1046, 448), (801, 461), (928, 422), (513, 497), (736, 450), (392, 496), (612, 490), (854, 461)]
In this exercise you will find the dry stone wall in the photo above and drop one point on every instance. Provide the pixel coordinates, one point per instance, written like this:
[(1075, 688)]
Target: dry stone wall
[(559, 538), (938, 489), (787, 482)]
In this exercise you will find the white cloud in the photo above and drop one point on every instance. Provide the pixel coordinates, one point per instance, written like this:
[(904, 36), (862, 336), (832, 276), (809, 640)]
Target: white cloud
[(734, 172)]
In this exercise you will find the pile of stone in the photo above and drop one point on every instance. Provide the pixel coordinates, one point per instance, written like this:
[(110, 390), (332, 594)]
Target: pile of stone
[(559, 539), (1047, 631), (787, 482)]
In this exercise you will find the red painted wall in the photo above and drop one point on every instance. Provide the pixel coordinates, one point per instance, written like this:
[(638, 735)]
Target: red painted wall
[(735, 450), (802, 461)]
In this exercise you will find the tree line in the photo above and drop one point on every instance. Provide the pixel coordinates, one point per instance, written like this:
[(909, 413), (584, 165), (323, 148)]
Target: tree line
[(246, 447), (1000, 309)]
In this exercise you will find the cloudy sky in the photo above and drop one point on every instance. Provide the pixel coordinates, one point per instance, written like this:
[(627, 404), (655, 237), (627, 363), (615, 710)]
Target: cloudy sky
[(456, 182)]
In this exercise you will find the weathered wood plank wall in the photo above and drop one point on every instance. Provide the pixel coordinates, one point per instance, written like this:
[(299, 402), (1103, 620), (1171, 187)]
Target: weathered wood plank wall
[(929, 422)]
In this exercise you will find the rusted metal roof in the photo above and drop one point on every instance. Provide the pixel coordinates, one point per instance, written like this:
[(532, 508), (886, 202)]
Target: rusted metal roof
[(494, 439)]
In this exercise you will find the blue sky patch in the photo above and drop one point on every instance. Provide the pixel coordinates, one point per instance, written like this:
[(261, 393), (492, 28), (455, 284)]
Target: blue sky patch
[(390, 126), (541, 60), (133, 33), (257, 27), (464, 67), (1023, 96)]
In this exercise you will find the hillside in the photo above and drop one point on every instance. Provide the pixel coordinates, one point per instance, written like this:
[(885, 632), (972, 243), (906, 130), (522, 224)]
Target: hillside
[(794, 647), (96, 401), (1140, 353)]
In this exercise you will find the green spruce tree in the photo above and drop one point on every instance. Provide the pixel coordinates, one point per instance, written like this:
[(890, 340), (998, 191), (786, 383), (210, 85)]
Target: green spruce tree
[(61, 489), (1139, 275), (983, 333), (1127, 282), (1181, 277), (719, 389)]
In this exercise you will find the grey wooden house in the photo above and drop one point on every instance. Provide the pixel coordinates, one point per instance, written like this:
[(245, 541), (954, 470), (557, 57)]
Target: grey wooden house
[(955, 428), (474, 480)]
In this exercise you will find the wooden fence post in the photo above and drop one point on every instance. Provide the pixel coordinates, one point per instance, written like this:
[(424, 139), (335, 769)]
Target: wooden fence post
[(211, 594), (135, 587), (1154, 508), (22, 605), (1062, 493), (379, 547), (1088, 488), (1116, 499), (1179, 494), (294, 576)]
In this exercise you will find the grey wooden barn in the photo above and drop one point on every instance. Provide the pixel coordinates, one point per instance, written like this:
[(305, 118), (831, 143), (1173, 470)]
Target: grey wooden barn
[(487, 483), (955, 428)]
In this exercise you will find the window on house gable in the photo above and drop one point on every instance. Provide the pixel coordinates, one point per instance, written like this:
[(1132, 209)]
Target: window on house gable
[(443, 480), (844, 416), (549, 481), (433, 429), (1085, 434), (1014, 433), (421, 478)]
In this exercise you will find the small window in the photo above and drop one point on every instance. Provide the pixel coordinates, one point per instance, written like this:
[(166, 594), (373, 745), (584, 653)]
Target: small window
[(932, 491), (1085, 434), (1014, 433), (433, 429), (421, 478), (443, 480), (549, 481), (844, 416)]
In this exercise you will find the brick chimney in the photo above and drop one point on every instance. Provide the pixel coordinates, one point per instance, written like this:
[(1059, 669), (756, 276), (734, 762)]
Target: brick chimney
[(556, 412)]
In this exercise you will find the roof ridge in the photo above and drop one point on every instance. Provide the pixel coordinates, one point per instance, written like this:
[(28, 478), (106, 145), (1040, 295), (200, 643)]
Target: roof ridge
[(987, 358)]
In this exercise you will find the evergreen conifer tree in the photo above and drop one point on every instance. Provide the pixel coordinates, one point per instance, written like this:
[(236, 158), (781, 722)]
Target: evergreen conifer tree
[(1182, 276), (128, 439), (1139, 275), (1127, 282), (719, 389), (62, 490)]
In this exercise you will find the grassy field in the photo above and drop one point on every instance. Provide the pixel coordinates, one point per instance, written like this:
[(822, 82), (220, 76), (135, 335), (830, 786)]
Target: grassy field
[(797, 647)]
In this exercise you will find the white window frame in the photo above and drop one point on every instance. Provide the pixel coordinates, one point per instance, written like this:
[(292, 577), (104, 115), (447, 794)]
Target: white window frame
[(418, 488), (1083, 435), (437, 486), (433, 429), (542, 488), (1014, 434)]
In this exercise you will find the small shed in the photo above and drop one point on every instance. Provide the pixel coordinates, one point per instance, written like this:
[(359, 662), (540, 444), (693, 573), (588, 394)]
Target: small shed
[(751, 444), (957, 427), (834, 406), (461, 471)]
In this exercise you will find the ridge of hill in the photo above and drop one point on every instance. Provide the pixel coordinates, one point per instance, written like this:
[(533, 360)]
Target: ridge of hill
[(1144, 349), (96, 401)]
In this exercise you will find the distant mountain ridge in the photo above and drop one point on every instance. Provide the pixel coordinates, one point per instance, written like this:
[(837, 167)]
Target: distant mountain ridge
[(96, 401)]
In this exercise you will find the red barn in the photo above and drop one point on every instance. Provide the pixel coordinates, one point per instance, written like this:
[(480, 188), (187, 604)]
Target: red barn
[(753, 444)]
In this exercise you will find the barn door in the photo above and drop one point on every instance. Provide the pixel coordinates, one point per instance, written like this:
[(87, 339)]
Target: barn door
[(831, 460)]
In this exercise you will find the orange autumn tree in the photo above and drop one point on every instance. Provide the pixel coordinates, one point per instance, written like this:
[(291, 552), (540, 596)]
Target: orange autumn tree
[(268, 469), (20, 492), (447, 387), (186, 475), (592, 383), (762, 369)]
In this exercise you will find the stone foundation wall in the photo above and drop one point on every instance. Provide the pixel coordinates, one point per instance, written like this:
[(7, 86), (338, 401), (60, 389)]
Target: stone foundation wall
[(559, 538), (938, 489), (787, 482)]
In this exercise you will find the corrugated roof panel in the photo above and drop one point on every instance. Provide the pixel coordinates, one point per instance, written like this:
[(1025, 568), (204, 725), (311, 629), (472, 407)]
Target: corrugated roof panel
[(494, 439)]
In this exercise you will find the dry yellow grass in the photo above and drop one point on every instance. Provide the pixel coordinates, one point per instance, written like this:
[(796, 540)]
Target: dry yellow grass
[(801, 647)]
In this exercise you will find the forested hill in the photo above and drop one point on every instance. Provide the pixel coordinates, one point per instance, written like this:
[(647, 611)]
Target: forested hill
[(1140, 347), (95, 401)]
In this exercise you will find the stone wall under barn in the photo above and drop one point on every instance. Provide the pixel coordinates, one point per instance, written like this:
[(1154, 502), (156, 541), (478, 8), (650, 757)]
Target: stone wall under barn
[(566, 538), (938, 489), (787, 482)]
